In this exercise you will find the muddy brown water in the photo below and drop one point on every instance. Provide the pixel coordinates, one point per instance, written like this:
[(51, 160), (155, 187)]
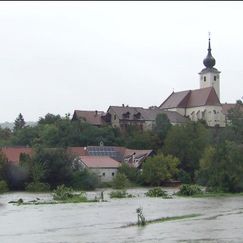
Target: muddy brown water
[(220, 220)]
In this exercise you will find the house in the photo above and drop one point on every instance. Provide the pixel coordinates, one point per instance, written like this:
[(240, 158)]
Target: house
[(144, 119), (200, 104), (95, 118), (134, 157), (13, 154), (104, 166)]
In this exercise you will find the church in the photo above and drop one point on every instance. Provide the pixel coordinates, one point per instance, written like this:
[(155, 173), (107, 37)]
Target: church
[(203, 103)]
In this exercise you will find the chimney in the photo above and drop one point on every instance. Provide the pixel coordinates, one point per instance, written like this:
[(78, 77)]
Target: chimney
[(96, 112)]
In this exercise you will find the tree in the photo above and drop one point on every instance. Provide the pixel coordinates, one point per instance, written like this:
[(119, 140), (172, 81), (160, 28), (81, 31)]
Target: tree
[(235, 117), (159, 168), (162, 126), (19, 122), (57, 164), (3, 163), (130, 172), (221, 168), (187, 142)]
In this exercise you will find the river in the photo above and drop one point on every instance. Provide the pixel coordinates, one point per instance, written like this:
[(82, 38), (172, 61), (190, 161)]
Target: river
[(220, 220)]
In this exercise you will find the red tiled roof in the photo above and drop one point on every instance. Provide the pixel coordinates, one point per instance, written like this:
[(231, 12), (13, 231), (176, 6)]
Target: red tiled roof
[(176, 99), (202, 97), (91, 117), (99, 162), (137, 153), (80, 151), (191, 98), (13, 153), (227, 107)]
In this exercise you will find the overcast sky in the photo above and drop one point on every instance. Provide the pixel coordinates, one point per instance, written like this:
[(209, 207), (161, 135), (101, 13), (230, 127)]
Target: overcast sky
[(56, 57)]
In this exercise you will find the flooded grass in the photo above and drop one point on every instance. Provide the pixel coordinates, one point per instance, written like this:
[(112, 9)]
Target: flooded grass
[(164, 219)]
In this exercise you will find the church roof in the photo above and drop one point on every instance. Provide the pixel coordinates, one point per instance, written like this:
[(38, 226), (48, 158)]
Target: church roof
[(191, 98)]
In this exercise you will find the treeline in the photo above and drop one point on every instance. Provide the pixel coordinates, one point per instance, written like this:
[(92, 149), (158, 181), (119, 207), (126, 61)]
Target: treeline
[(191, 153)]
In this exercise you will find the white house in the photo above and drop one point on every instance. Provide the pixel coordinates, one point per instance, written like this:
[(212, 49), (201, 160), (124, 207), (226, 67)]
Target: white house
[(104, 166)]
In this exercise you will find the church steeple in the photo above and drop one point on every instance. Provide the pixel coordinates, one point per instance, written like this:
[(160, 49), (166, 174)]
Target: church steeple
[(209, 61), (209, 76)]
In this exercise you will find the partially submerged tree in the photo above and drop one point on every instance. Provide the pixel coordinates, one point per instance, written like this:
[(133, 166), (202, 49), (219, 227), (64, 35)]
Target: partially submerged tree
[(159, 168)]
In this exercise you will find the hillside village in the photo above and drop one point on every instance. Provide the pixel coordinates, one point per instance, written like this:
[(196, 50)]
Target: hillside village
[(199, 104), (103, 142)]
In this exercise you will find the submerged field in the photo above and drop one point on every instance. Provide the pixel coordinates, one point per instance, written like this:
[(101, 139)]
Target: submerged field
[(180, 219)]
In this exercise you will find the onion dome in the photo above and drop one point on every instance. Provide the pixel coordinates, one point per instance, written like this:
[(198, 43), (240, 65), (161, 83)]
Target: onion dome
[(209, 61)]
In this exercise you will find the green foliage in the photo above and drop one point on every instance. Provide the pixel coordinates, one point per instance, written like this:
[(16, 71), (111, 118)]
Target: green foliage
[(120, 194), (57, 164), (37, 187), (187, 143), (84, 180), (221, 168), (156, 192), (3, 186), (130, 172), (63, 193), (159, 168), (3, 164), (162, 126), (19, 122), (189, 190), (120, 181)]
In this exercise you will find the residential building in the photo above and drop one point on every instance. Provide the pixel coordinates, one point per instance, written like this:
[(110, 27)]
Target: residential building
[(144, 119), (95, 118), (103, 166), (13, 154)]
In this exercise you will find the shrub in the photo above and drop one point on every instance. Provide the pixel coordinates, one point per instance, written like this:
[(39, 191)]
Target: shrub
[(120, 181), (37, 187), (189, 190), (3, 187), (156, 192), (120, 194), (84, 180), (62, 193)]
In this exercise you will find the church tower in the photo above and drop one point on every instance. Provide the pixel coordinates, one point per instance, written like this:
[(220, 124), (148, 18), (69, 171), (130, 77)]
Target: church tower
[(209, 76)]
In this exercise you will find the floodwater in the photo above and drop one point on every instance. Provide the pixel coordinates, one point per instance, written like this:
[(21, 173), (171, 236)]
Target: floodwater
[(221, 219)]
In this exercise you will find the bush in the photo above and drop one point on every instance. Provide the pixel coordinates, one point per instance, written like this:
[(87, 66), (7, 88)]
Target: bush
[(120, 194), (63, 193), (120, 181), (3, 187), (84, 180), (189, 190), (37, 187), (156, 192)]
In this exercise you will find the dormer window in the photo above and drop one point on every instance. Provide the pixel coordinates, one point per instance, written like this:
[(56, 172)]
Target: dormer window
[(137, 115), (126, 115)]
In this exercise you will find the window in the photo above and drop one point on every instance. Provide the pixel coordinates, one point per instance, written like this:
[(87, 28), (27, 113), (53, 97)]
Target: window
[(103, 174), (112, 173), (204, 79), (214, 78), (114, 117)]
